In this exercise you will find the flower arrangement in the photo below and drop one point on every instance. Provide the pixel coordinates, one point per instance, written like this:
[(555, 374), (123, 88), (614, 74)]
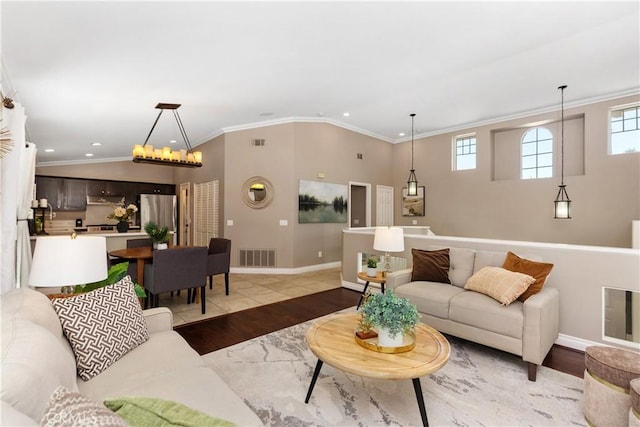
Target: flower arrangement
[(389, 311), (123, 214)]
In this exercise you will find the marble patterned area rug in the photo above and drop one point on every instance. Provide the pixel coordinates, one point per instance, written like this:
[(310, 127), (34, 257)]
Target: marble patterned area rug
[(479, 386)]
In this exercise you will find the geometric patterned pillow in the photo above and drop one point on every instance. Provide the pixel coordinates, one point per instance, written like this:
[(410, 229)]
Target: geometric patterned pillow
[(102, 325), (68, 408)]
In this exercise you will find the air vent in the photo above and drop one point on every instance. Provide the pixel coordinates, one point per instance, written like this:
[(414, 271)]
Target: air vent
[(257, 142), (257, 257)]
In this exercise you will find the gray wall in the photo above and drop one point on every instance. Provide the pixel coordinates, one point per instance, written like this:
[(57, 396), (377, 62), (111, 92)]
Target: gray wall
[(605, 190)]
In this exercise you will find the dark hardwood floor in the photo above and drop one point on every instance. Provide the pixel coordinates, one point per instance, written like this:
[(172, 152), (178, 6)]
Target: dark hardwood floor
[(224, 331)]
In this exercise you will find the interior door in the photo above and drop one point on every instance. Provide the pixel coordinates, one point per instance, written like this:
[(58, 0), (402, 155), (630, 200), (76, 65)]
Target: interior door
[(384, 205), (184, 214), (359, 204)]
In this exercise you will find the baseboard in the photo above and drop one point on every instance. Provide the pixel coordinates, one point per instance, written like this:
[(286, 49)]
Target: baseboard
[(297, 270)]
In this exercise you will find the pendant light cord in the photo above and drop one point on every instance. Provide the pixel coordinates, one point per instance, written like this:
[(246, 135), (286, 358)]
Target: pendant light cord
[(413, 115), (562, 88)]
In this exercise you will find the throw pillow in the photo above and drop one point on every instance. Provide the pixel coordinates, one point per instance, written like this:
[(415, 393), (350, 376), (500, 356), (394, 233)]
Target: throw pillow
[(67, 408), (502, 285), (146, 411), (102, 325), (539, 270), (430, 266)]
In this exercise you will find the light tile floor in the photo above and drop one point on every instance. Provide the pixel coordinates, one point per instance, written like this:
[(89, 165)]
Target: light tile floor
[(248, 291)]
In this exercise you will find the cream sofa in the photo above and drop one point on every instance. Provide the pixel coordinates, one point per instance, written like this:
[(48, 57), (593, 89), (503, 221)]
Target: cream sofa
[(526, 329), (37, 358)]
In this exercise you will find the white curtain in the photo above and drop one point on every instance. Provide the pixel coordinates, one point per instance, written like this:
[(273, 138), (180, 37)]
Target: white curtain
[(11, 169), (25, 194)]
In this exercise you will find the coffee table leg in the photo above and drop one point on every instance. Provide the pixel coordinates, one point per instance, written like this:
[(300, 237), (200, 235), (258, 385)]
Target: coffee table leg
[(316, 372), (423, 411)]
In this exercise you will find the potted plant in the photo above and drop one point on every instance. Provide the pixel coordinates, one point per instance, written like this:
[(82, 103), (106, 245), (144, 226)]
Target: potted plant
[(122, 214), (114, 275), (391, 315), (372, 266), (159, 235)]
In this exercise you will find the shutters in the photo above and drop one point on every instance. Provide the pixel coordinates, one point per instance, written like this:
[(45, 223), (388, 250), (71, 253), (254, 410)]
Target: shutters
[(205, 212)]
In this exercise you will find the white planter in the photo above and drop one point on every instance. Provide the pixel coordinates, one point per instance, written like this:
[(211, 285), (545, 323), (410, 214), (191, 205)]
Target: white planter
[(372, 272), (161, 246), (385, 340)]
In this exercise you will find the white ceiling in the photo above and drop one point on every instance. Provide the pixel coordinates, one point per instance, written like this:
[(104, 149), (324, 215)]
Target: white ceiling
[(94, 71)]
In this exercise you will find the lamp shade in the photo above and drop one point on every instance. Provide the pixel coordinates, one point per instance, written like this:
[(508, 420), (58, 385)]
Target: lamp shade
[(66, 261), (389, 239)]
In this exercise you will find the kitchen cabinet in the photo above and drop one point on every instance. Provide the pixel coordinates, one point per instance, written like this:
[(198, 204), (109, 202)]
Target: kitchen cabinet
[(63, 194), (105, 188)]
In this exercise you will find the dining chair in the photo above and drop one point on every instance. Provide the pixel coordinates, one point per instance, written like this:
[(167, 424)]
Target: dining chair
[(132, 269), (174, 269), (219, 260)]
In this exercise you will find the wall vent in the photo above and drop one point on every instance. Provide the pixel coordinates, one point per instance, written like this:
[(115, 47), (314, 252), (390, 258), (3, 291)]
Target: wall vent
[(257, 142), (257, 257)]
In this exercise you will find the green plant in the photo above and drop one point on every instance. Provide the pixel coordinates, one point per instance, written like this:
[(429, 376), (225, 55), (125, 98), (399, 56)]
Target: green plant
[(156, 233), (114, 275), (389, 311), (372, 263)]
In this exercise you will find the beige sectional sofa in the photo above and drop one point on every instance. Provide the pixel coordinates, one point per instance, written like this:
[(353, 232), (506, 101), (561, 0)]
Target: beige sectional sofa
[(37, 358), (527, 329)]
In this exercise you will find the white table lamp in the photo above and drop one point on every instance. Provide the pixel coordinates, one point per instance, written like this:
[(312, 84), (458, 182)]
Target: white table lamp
[(67, 261), (388, 239)]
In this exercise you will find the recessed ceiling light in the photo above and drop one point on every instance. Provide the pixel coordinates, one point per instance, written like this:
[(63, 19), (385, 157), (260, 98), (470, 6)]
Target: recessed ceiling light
[(320, 114), (49, 150), (401, 134), (346, 114), (89, 155), (268, 113), (173, 141), (96, 144)]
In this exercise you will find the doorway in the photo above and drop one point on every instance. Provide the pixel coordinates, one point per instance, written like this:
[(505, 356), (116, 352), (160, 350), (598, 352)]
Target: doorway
[(184, 214), (359, 204)]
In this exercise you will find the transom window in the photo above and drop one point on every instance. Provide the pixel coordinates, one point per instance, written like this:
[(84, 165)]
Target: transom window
[(625, 130), (465, 152), (537, 154)]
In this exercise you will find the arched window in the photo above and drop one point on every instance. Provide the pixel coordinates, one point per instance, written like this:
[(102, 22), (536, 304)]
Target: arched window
[(537, 154)]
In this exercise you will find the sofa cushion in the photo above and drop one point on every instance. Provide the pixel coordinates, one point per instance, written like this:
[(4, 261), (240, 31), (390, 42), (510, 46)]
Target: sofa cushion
[(25, 303), (483, 312), (502, 285), (488, 259), (102, 325), (147, 411), (33, 364), (429, 297), (430, 266), (67, 408), (461, 261), (538, 270)]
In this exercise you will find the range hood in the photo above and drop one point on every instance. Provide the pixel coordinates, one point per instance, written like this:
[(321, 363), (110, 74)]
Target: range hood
[(105, 200)]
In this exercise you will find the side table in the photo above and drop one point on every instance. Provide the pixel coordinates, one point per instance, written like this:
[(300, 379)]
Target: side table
[(378, 279)]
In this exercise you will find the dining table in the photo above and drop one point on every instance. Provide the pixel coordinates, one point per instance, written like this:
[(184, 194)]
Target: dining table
[(140, 254)]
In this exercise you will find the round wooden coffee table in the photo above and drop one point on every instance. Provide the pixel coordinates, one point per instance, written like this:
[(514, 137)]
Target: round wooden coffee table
[(332, 341)]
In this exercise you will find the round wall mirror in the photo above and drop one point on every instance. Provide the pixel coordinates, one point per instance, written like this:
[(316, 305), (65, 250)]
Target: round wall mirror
[(257, 192)]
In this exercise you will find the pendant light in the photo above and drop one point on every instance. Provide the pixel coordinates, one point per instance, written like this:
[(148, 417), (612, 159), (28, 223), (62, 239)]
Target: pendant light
[(412, 181), (562, 203), (165, 156)]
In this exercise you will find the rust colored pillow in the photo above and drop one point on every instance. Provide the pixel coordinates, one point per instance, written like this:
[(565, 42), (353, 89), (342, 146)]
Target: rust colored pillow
[(538, 270), (430, 266)]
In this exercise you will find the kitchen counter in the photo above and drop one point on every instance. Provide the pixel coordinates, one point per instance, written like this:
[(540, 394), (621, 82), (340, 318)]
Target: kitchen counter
[(115, 240)]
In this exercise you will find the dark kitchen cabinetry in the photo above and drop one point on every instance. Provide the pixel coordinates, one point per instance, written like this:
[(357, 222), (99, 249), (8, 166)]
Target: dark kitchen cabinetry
[(105, 188), (63, 194), (70, 194)]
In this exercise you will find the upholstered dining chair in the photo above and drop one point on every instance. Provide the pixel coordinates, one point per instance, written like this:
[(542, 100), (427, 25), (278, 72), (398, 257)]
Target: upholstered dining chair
[(132, 269), (174, 269), (219, 260)]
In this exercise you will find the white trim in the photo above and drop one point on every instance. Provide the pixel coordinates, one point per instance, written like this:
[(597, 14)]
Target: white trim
[(297, 270)]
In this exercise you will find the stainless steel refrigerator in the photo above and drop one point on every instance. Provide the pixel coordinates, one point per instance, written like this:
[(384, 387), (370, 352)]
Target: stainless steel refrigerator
[(161, 209)]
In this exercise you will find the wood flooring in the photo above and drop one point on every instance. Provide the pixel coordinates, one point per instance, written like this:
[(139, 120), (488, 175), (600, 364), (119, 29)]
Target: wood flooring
[(223, 331)]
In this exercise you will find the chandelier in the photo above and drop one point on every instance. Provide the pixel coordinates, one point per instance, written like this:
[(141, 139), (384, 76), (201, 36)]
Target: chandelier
[(146, 153), (562, 203), (412, 181)]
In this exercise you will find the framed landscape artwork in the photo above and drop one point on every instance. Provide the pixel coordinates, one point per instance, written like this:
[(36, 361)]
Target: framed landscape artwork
[(413, 205), (322, 202)]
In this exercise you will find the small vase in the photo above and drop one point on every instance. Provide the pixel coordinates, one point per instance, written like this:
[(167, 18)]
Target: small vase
[(385, 340), (372, 272), (122, 227), (161, 246)]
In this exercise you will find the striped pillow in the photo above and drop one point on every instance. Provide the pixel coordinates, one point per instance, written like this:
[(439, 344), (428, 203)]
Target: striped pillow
[(502, 285)]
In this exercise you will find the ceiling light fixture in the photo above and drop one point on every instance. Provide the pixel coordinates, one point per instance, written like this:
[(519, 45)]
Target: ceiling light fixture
[(562, 202), (412, 181), (145, 153)]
